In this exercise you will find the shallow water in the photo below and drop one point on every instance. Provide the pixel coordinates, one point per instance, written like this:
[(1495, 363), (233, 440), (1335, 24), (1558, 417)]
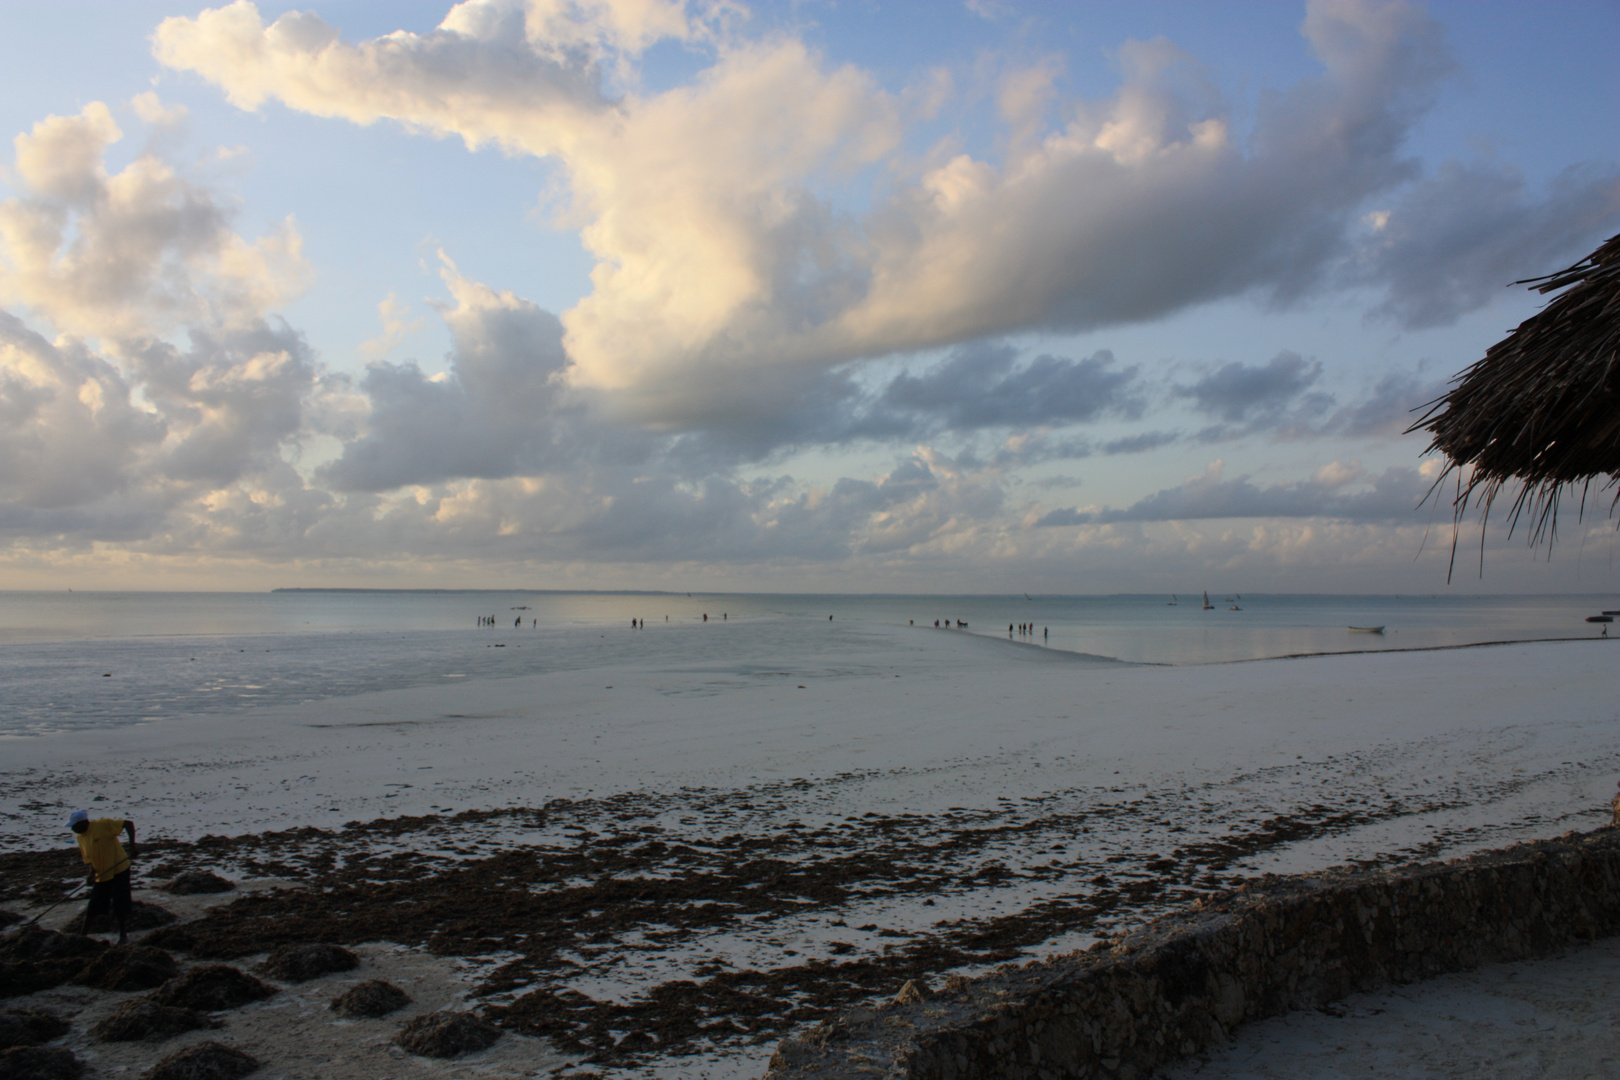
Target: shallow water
[(84, 660)]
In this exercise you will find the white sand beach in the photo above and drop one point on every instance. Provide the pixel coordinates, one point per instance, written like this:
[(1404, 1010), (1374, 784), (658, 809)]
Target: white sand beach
[(967, 784)]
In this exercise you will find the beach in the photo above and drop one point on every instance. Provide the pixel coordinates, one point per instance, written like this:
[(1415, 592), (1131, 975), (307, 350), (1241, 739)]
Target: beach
[(660, 865)]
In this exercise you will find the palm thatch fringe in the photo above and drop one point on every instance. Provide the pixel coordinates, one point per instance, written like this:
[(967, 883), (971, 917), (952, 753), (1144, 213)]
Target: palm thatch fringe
[(1543, 406)]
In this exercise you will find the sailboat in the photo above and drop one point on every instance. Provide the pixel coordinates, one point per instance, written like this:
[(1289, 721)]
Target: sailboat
[(1207, 605), (1172, 602)]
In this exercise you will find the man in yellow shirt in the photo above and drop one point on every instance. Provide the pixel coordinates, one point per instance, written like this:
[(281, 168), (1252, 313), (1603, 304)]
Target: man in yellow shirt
[(109, 868)]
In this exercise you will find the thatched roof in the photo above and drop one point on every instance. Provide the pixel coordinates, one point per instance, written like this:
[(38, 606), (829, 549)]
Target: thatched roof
[(1543, 406)]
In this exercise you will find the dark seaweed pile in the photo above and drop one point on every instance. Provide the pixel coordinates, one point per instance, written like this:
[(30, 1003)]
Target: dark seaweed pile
[(723, 919)]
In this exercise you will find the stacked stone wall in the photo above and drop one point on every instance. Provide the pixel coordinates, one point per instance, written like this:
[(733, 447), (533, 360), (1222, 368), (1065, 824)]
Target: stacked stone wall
[(1183, 982)]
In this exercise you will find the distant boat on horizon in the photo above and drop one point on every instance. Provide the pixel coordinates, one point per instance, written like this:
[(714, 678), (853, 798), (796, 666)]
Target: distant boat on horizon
[(1207, 605), (1172, 602), (1366, 629)]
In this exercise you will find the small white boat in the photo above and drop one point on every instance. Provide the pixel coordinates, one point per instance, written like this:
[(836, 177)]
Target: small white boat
[(1366, 629)]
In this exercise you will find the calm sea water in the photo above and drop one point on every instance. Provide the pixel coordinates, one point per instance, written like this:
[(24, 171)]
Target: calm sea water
[(83, 660)]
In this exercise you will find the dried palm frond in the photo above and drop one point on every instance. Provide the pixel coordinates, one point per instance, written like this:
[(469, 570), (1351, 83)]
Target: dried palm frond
[(1543, 406)]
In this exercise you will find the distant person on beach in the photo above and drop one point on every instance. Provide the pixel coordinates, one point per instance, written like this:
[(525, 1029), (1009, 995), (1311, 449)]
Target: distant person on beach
[(109, 868)]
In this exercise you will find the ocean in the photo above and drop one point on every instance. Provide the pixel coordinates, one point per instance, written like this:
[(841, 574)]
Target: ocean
[(84, 660)]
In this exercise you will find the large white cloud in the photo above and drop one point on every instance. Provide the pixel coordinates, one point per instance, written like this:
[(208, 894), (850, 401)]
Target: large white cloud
[(722, 277), (132, 254)]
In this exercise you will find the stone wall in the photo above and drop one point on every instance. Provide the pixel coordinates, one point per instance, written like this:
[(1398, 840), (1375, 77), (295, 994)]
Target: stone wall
[(1183, 982)]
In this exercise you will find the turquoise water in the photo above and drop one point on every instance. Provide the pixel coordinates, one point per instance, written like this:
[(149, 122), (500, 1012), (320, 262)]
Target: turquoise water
[(84, 660)]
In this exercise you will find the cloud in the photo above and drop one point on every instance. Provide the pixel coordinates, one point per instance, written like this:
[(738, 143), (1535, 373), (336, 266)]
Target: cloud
[(1339, 491), (1061, 518), (1237, 392), (1272, 397), (1137, 444), (981, 386), (397, 326), (724, 283), (131, 254), (230, 401), (972, 388), (501, 409), (1453, 242), (70, 435), (1389, 409)]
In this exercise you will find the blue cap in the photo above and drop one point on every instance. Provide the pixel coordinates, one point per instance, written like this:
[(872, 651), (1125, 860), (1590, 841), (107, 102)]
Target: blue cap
[(78, 816)]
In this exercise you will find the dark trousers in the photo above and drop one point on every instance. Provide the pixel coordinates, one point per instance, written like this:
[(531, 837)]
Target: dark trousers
[(115, 896)]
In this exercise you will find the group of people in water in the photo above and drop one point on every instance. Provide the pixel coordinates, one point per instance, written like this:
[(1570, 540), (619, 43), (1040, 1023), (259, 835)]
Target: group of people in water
[(489, 620), (1024, 629)]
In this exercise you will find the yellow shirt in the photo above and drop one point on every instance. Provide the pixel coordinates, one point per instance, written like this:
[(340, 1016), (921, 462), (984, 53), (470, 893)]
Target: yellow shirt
[(100, 847)]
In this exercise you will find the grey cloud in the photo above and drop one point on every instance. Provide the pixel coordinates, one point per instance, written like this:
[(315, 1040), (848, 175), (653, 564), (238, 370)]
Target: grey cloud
[(1391, 497), (70, 435), (1067, 516), (1453, 242), (1137, 444), (1237, 392), (1389, 409), (600, 514), (501, 409), (974, 388), (1031, 450), (233, 399), (980, 386)]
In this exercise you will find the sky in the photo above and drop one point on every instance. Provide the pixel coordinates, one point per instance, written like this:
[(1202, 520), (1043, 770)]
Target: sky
[(810, 297)]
